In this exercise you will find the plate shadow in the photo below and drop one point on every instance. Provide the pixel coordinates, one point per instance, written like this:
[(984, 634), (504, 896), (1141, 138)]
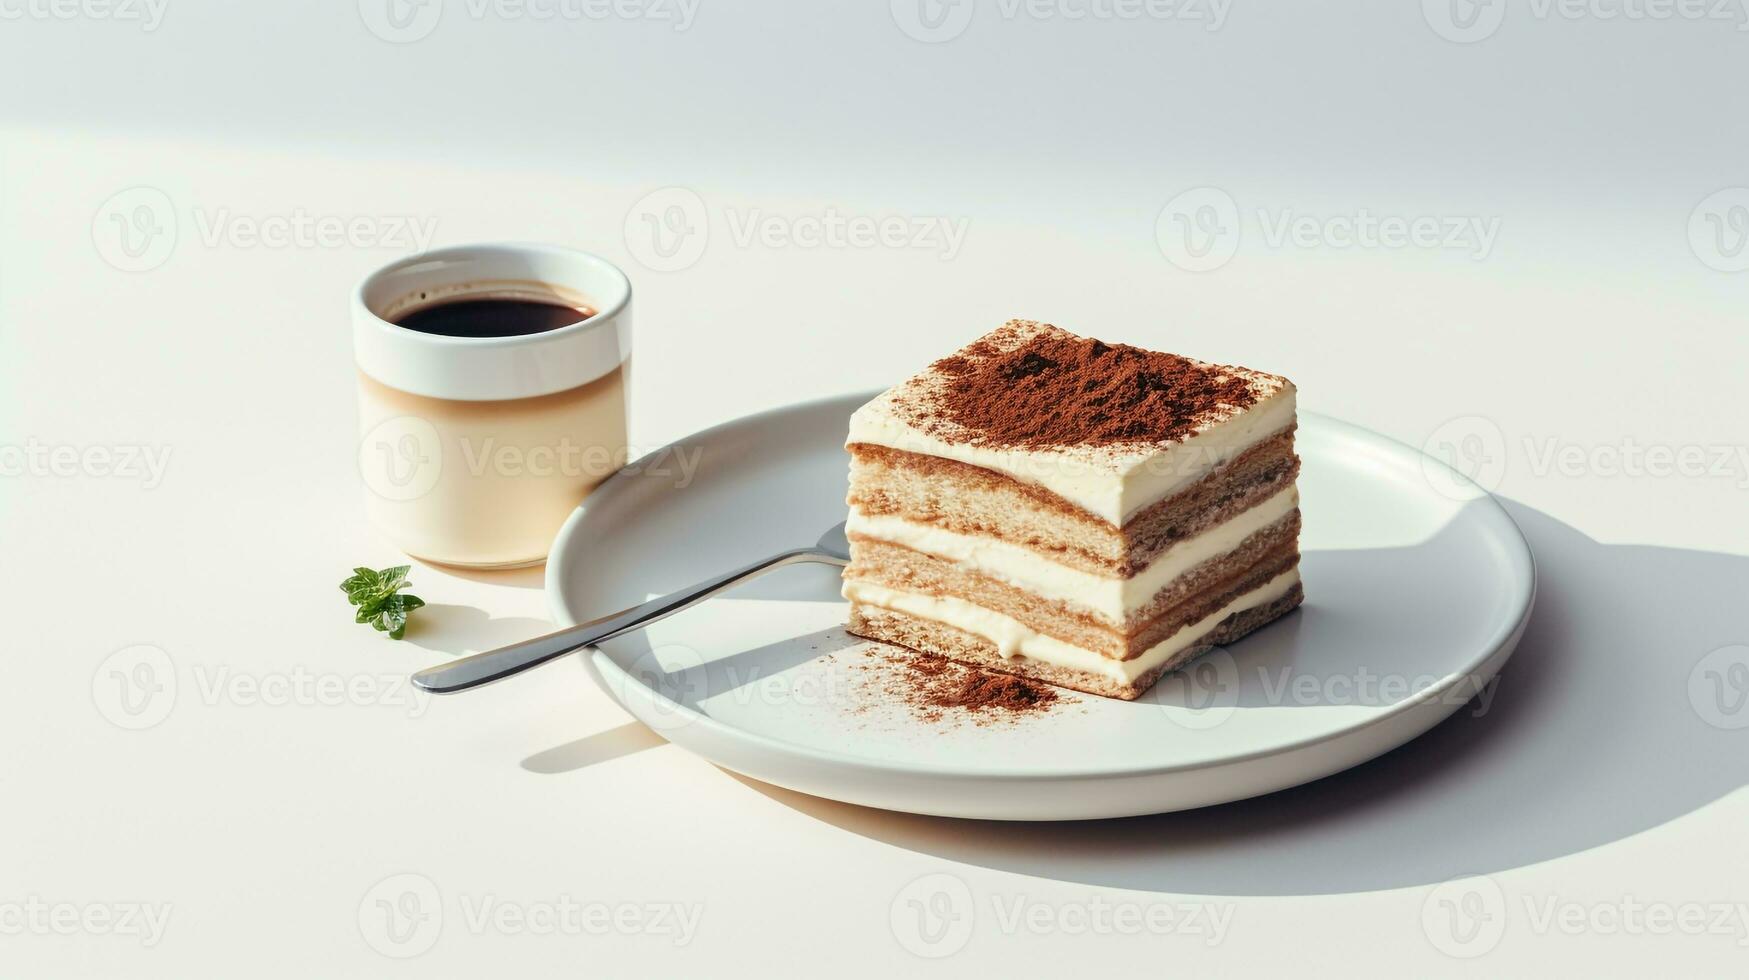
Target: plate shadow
[(1604, 724)]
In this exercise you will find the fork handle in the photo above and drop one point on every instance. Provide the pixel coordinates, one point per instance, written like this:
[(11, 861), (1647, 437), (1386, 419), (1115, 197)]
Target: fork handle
[(484, 668)]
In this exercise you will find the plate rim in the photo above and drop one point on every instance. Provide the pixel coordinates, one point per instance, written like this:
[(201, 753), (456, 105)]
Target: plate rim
[(1493, 653)]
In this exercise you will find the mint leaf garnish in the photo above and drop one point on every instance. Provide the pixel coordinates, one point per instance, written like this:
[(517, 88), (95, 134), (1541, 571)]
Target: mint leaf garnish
[(379, 598)]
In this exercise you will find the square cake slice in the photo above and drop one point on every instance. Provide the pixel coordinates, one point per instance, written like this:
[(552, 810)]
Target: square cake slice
[(1090, 515)]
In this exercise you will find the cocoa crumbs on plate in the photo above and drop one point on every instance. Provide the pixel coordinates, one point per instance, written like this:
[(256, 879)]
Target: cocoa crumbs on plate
[(938, 689)]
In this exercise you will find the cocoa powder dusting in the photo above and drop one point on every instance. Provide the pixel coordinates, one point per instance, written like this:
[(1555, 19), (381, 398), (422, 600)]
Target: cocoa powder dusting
[(1053, 388), (1005, 692), (932, 686)]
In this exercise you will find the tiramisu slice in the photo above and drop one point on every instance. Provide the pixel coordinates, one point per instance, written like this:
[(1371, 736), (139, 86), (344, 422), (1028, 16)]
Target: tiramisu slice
[(1087, 514)]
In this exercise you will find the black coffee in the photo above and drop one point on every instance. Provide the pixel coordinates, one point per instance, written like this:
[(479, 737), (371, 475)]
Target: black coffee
[(493, 317)]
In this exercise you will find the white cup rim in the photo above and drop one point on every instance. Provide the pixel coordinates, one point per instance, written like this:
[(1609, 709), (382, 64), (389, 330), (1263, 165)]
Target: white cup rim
[(494, 368), (603, 313)]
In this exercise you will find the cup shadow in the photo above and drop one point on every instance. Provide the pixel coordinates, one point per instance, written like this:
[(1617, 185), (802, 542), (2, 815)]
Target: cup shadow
[(460, 630), (1602, 726)]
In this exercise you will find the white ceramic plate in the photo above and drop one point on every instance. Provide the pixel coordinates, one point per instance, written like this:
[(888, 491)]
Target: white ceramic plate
[(1418, 586)]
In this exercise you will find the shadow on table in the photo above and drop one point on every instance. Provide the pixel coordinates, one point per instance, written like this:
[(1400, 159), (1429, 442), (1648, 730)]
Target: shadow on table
[(460, 630), (1605, 723), (603, 746)]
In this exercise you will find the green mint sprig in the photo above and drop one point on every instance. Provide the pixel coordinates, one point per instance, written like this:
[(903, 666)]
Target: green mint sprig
[(379, 599)]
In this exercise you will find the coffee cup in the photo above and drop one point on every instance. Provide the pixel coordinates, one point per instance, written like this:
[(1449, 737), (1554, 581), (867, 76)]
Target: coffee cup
[(491, 396)]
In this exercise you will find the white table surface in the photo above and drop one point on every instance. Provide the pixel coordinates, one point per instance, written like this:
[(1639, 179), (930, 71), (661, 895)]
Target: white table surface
[(267, 816)]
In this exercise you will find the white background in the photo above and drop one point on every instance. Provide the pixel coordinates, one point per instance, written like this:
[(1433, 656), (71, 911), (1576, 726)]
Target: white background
[(1575, 363)]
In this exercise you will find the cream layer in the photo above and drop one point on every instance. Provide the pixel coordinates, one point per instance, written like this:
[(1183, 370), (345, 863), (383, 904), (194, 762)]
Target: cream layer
[(1112, 483), (1114, 598), (1013, 639)]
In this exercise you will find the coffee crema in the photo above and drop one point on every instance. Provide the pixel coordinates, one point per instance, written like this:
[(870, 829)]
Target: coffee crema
[(476, 316)]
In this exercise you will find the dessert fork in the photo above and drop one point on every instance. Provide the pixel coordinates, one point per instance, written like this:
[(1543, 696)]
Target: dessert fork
[(833, 548)]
